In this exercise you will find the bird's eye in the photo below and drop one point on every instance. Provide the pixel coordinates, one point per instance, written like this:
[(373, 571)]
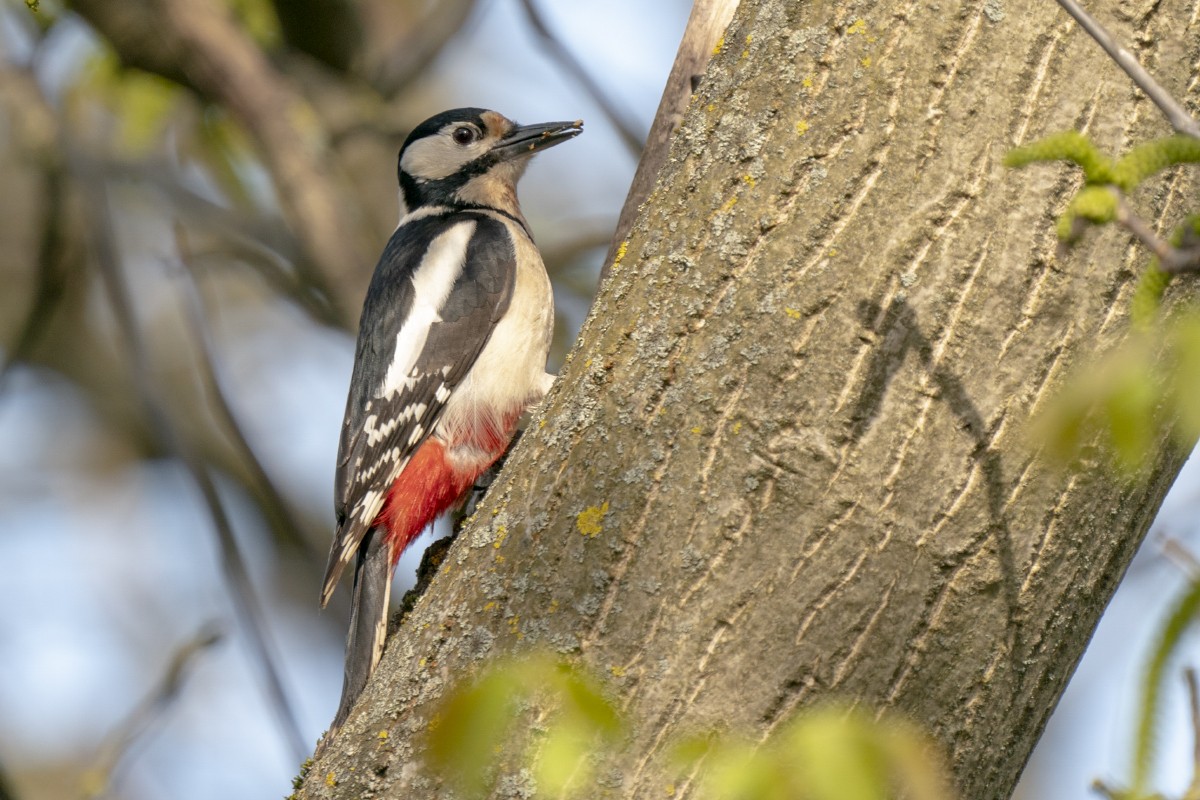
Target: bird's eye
[(464, 135)]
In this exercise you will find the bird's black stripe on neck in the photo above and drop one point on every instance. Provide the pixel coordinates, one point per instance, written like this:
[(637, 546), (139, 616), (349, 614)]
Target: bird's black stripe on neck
[(441, 192), (481, 207)]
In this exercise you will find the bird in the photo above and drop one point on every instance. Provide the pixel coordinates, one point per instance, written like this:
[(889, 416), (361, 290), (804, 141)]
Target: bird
[(451, 351)]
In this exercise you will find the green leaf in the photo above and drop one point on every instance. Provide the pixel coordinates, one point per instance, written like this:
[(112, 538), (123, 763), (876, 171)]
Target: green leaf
[(1151, 157), (583, 700), (142, 103), (469, 728), (475, 722), (1066, 146), (1167, 641), (259, 19), (1184, 375), (1131, 407), (562, 762), (1147, 296), (740, 771), (1095, 204), (915, 762), (837, 756), (1113, 402), (686, 752)]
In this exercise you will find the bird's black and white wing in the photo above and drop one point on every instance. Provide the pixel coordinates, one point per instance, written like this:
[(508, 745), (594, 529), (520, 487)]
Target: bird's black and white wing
[(441, 285)]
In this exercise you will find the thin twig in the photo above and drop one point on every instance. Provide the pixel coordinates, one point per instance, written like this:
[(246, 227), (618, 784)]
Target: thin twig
[(199, 43), (51, 280), (281, 517), (408, 59), (263, 245), (233, 565), (625, 128), (7, 792), (1184, 558), (98, 777), (1176, 114), (1170, 258)]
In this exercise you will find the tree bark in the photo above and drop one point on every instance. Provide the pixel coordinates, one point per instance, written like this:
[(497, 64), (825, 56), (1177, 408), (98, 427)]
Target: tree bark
[(787, 460)]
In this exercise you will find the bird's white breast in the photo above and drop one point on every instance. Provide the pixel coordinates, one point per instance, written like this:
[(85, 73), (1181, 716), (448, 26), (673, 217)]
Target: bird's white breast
[(510, 372)]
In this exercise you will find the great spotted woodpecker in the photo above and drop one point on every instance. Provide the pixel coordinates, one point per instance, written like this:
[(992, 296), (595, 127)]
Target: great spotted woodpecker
[(452, 348)]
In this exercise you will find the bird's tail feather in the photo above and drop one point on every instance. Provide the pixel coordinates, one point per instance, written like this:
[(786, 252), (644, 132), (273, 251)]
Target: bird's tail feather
[(368, 620)]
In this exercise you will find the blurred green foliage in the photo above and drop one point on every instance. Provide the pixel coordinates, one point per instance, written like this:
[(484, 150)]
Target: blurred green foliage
[(476, 720), (827, 753), (1124, 401), (831, 753), (142, 104)]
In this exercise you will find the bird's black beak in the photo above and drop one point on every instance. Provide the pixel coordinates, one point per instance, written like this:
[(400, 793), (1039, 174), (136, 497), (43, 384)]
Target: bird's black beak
[(524, 140)]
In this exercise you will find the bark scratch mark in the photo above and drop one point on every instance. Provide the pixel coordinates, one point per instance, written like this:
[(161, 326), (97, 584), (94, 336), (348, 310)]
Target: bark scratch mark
[(1033, 93), (1049, 526), (669, 720), (933, 112), (860, 641), (727, 544), (822, 601), (627, 555), (918, 643), (927, 389)]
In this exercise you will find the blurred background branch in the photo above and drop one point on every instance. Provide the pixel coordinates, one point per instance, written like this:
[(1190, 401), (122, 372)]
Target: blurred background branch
[(195, 196), (99, 777), (182, 291), (159, 417)]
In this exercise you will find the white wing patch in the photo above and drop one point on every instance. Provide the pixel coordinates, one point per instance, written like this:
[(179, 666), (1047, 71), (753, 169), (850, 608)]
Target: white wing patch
[(376, 433), (432, 282)]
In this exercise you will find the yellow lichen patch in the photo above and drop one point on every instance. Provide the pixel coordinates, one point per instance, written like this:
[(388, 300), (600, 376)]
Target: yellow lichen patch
[(866, 62), (710, 107), (801, 127), (382, 735), (620, 256), (501, 535), (794, 313), (697, 430), (749, 181), (737, 427), (590, 521), (490, 606), (730, 203), (330, 780), (553, 606), (859, 26), (807, 83), (720, 46), (617, 671)]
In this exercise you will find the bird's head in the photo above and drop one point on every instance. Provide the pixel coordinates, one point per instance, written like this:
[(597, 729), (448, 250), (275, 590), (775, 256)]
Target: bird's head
[(473, 157)]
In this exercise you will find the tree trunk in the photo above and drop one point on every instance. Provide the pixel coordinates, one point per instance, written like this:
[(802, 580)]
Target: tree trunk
[(788, 458)]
